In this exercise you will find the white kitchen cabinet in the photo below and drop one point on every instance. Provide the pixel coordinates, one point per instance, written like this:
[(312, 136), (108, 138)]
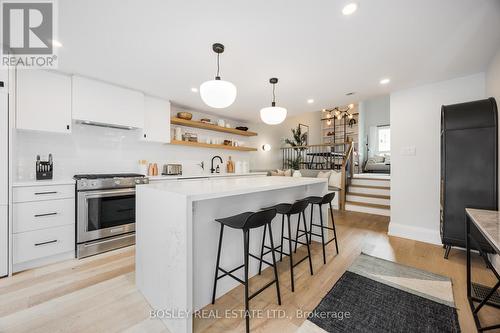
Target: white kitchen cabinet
[(156, 120), (39, 244), (102, 103), (36, 215), (4, 147), (43, 101), (43, 192), (4, 240), (43, 225)]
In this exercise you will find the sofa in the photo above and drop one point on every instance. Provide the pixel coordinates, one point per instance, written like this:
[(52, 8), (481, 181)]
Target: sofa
[(313, 174), (378, 164)]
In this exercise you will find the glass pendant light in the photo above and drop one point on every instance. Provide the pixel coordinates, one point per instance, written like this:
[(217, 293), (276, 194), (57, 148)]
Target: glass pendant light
[(218, 93), (273, 115)]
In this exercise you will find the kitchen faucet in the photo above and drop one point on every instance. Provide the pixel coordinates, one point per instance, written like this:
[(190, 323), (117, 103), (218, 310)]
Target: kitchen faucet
[(212, 170)]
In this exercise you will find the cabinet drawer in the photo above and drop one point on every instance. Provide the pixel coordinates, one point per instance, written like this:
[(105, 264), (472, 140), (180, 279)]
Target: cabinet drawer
[(43, 243), (47, 192), (36, 215)]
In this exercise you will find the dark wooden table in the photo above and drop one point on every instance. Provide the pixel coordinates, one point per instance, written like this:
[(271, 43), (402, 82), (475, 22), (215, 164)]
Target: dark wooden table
[(487, 222)]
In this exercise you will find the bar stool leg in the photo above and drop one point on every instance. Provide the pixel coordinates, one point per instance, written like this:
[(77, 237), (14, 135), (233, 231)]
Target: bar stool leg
[(274, 265), (218, 261), (246, 240), (322, 233), (282, 230), (290, 252), (262, 248), (297, 235), (311, 224), (307, 242), (334, 229)]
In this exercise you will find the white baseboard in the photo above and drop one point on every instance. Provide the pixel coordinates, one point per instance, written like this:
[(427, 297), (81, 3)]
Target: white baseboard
[(416, 233), (43, 261)]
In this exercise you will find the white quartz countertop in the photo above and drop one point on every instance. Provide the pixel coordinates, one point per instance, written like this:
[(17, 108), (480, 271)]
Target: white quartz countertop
[(47, 182), (209, 175), (202, 189)]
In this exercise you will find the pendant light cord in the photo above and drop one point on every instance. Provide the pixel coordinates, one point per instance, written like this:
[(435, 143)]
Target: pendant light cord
[(274, 95), (218, 66)]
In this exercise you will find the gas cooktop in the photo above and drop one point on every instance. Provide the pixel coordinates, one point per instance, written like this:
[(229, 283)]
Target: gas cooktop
[(107, 175)]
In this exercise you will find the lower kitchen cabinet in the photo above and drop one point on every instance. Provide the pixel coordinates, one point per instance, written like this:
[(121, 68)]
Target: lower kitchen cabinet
[(43, 225), (43, 243)]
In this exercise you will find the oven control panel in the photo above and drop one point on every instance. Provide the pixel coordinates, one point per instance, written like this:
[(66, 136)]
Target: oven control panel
[(109, 183)]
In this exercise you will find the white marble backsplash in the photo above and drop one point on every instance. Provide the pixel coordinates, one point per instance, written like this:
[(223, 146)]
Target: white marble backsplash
[(90, 149)]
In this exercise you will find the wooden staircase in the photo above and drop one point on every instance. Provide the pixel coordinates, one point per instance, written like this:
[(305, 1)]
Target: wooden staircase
[(369, 194)]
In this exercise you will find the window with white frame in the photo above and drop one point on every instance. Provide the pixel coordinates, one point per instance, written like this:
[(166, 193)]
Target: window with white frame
[(384, 139)]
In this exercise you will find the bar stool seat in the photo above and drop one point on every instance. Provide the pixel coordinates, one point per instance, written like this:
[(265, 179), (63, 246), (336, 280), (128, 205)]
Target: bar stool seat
[(236, 221), (245, 222), (314, 200), (282, 208)]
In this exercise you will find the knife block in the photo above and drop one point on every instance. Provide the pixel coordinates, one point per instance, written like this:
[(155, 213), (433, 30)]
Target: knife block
[(44, 169)]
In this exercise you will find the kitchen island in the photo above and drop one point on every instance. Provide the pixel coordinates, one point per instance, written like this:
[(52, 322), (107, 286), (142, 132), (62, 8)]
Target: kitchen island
[(176, 237)]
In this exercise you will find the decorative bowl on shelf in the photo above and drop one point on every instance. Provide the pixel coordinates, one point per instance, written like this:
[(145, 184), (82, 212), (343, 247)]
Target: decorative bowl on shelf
[(242, 128), (227, 142), (185, 115), (206, 120)]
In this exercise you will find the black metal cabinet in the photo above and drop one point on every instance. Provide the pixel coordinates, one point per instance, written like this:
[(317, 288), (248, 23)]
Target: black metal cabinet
[(469, 166)]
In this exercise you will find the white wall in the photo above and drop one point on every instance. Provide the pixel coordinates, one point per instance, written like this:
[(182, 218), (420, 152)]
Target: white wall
[(275, 135), (493, 90), (415, 123), (373, 112)]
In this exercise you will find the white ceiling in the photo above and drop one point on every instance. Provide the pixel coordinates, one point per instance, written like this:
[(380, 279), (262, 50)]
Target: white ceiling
[(164, 47)]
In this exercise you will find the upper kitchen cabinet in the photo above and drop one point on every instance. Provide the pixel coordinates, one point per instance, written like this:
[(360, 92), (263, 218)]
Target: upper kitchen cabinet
[(105, 104), (43, 101), (156, 120)]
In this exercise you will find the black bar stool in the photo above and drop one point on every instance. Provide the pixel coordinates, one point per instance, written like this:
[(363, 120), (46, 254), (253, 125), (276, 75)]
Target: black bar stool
[(289, 210), (245, 222), (320, 201)]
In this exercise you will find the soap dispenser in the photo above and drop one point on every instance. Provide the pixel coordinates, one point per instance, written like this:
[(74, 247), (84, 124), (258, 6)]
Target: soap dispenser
[(230, 166)]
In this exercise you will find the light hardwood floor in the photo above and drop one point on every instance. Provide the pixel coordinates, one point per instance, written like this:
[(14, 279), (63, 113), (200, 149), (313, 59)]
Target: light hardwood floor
[(97, 294)]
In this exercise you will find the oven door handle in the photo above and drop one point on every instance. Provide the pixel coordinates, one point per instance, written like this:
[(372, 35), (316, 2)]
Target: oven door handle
[(108, 193)]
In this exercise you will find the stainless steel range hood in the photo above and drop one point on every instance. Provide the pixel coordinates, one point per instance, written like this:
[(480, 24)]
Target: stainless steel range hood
[(93, 123)]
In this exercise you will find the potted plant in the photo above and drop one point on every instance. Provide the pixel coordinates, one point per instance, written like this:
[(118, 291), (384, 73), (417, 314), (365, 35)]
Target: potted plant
[(298, 142)]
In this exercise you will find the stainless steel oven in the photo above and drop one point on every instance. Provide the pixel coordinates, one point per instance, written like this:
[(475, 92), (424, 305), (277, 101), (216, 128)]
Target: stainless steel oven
[(105, 212)]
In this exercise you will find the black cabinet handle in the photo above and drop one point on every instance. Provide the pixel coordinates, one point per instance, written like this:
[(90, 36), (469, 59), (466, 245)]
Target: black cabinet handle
[(46, 243), (42, 193), (144, 135), (67, 127), (47, 214)]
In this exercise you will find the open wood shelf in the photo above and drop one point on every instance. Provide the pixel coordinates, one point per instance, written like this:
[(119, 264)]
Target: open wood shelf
[(207, 145), (211, 127)]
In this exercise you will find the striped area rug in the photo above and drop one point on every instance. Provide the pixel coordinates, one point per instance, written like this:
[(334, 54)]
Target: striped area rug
[(377, 295)]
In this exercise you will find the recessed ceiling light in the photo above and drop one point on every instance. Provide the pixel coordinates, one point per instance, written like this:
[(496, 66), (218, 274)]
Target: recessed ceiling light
[(310, 101), (56, 43), (194, 89), (385, 81), (349, 8)]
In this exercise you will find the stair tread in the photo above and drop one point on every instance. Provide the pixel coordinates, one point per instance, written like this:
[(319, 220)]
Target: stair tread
[(374, 187), (365, 204), (367, 195), (376, 179)]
